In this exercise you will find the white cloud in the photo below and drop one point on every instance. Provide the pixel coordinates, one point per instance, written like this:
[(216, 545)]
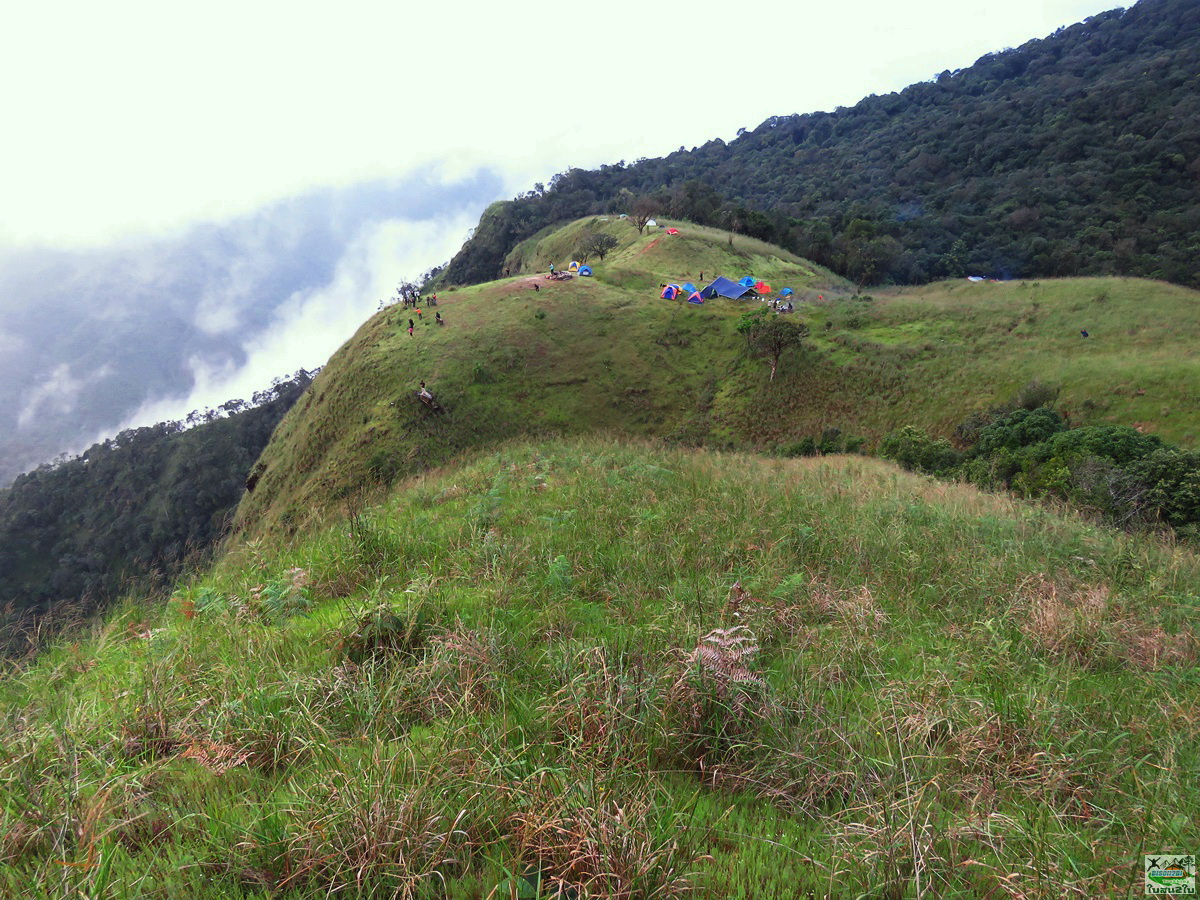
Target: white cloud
[(143, 117), (58, 392), (312, 323)]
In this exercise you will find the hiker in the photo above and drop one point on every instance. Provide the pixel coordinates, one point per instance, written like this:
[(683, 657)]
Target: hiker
[(506, 272), (1084, 333), (701, 276), (419, 314), (551, 268), (424, 394), (438, 318), (536, 289), (411, 325)]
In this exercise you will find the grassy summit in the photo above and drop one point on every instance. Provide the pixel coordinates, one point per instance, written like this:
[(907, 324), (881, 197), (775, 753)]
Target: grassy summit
[(632, 671), (607, 354)]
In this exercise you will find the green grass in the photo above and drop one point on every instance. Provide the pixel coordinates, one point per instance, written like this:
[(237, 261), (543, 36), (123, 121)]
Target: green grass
[(605, 354), (910, 689)]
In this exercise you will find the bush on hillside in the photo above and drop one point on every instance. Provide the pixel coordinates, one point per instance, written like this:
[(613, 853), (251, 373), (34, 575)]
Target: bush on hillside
[(1020, 428), (917, 451), (1171, 480)]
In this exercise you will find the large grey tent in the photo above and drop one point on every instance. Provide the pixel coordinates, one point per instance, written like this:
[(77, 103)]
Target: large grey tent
[(723, 287)]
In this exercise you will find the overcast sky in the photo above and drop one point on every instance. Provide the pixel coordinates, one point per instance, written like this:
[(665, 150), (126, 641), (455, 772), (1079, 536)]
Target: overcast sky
[(128, 125)]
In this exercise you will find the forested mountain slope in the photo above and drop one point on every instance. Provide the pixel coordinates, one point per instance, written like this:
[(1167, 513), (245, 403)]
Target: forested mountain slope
[(1077, 154), (75, 534)]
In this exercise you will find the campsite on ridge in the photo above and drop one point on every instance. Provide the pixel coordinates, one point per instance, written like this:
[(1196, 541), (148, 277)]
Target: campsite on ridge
[(812, 515)]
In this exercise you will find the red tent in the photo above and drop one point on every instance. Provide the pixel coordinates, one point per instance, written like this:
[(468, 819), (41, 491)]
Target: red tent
[(762, 289), (672, 231)]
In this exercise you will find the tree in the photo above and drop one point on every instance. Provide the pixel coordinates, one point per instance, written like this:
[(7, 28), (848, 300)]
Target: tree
[(643, 211), (595, 244), (770, 335)]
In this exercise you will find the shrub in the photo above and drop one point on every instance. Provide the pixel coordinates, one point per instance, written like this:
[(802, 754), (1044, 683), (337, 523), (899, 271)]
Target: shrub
[(1171, 479), (1020, 428), (915, 450), (1035, 395), (384, 631), (1121, 444)]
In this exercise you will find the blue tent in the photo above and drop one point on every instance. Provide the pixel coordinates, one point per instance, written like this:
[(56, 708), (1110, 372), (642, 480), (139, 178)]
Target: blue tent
[(670, 292), (690, 288), (723, 287), (585, 270), (695, 298), (786, 292), (747, 282)]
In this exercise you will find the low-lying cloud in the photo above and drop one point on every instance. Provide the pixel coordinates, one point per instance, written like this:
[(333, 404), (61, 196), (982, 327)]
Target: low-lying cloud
[(96, 340)]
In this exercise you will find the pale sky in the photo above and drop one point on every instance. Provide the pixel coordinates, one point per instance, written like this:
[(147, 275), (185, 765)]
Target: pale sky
[(128, 118)]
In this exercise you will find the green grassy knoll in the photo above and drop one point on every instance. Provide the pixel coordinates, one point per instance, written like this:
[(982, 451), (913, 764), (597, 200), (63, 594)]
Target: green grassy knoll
[(607, 354), (635, 671)]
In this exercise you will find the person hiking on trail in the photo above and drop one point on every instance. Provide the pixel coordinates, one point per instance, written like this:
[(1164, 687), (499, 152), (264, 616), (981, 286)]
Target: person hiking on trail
[(410, 327), (419, 314)]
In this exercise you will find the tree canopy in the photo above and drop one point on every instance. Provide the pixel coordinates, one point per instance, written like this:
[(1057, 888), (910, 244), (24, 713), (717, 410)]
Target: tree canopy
[(135, 507)]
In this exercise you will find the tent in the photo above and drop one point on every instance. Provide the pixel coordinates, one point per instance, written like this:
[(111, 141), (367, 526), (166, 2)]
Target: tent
[(747, 282), (723, 287), (651, 224), (573, 267), (670, 292), (585, 270), (786, 292), (672, 231), (690, 288), (762, 288), (695, 298)]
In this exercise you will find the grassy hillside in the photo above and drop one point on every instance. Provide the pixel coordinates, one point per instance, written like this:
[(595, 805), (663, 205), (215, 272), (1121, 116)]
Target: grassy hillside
[(633, 671), (606, 353)]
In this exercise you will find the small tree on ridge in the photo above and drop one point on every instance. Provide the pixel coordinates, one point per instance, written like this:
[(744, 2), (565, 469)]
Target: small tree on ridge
[(770, 335)]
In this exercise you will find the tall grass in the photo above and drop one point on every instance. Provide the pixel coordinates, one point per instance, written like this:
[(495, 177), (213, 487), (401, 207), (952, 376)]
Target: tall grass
[(591, 668)]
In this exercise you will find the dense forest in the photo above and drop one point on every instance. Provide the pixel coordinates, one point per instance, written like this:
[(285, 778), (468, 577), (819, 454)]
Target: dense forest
[(1076, 154), (136, 507)]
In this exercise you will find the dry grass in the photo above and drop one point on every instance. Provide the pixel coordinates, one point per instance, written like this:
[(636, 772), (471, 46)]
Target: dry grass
[(1088, 627)]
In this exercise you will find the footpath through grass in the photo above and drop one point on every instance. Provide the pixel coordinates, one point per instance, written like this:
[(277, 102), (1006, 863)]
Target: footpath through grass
[(634, 672)]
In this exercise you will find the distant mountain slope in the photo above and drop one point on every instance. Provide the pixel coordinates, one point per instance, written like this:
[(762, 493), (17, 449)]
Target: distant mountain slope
[(75, 535), (607, 354), (1077, 154)]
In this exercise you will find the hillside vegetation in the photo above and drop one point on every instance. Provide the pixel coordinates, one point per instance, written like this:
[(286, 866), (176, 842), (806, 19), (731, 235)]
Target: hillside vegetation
[(1074, 155), (606, 353), (633, 672), (133, 510)]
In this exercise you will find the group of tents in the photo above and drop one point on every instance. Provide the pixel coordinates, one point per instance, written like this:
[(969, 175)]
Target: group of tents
[(578, 269), (721, 287)]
